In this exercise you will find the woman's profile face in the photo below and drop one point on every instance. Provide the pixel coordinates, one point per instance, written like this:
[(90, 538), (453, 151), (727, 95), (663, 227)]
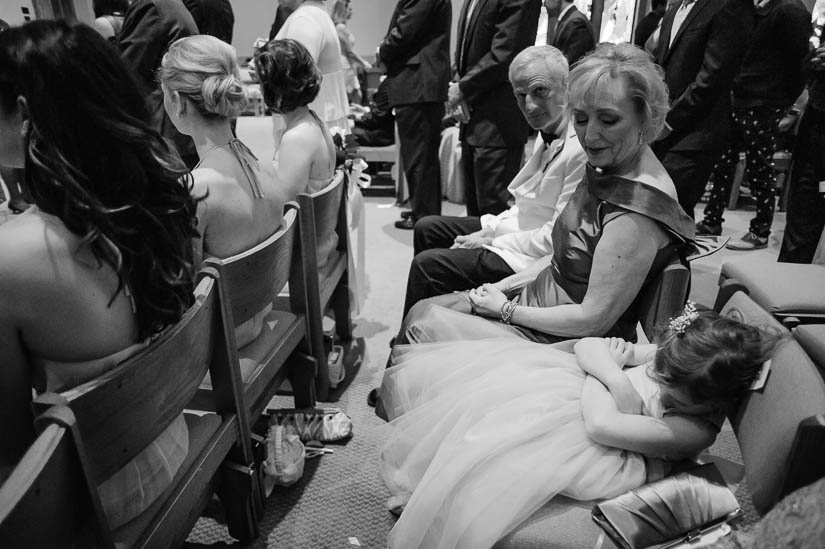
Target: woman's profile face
[(608, 127)]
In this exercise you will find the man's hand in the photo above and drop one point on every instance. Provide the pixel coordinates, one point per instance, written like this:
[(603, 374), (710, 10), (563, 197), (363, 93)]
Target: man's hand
[(487, 301), (453, 95), (474, 240), (818, 59)]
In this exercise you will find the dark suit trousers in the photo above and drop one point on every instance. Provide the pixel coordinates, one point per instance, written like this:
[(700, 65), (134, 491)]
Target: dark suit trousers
[(690, 171), (419, 130), (806, 204), (438, 270), (487, 173)]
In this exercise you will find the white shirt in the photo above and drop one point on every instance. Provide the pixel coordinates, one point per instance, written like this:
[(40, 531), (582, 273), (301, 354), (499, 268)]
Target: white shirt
[(681, 15), (541, 189)]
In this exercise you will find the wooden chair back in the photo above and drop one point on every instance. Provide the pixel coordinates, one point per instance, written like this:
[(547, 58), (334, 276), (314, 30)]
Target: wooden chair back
[(254, 277), (664, 297), (46, 501), (781, 427), (325, 209), (125, 409)]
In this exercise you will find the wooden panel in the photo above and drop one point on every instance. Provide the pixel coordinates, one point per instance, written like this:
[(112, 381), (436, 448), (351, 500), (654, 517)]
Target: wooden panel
[(125, 409), (254, 278)]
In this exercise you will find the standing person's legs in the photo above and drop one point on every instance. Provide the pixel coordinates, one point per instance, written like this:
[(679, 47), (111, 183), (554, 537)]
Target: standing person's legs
[(806, 204), (723, 174), (468, 156), (439, 231), (495, 168), (419, 130), (690, 171), (439, 271), (760, 128)]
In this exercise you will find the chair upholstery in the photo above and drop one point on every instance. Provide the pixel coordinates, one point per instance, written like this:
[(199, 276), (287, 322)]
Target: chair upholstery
[(767, 421), (124, 410), (665, 297), (812, 339), (783, 289)]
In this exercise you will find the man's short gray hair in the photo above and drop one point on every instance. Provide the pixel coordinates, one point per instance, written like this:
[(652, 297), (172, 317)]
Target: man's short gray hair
[(553, 59)]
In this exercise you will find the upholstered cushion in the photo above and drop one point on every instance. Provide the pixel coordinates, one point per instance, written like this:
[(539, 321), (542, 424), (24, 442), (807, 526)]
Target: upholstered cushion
[(201, 428), (766, 421), (562, 523), (812, 339), (781, 288)]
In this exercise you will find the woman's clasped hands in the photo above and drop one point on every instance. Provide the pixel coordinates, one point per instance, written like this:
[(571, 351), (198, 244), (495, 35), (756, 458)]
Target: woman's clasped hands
[(487, 300)]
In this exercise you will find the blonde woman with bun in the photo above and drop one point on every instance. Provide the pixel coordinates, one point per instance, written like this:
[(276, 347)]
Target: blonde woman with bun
[(202, 93)]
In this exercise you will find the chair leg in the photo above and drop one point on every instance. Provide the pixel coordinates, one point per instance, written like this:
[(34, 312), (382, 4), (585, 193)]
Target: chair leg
[(238, 491), (341, 307), (302, 371)]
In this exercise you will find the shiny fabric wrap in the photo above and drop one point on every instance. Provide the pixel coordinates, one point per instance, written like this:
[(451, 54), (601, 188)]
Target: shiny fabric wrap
[(672, 509)]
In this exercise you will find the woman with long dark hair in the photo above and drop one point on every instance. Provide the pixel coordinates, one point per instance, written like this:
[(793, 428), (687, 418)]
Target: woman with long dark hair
[(104, 258)]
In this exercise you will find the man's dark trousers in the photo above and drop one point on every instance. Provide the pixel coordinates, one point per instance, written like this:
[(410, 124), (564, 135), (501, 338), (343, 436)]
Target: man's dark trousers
[(419, 130), (438, 270)]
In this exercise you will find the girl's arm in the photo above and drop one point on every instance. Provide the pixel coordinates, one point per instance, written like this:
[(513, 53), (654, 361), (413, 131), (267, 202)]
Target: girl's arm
[(595, 357), (672, 437), (621, 262)]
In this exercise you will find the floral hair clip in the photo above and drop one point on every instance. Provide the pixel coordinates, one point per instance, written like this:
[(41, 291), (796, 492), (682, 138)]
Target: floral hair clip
[(679, 324)]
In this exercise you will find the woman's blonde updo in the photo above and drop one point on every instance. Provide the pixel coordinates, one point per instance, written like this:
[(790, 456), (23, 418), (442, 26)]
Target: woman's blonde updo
[(643, 78), (205, 70)]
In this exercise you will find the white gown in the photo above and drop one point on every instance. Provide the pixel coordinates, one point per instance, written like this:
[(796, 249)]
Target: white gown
[(485, 432)]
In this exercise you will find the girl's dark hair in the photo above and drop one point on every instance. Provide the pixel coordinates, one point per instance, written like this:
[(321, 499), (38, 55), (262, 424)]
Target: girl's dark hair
[(288, 75), (94, 161), (716, 359)]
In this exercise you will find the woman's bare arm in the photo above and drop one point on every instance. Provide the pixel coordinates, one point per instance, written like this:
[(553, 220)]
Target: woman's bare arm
[(621, 262), (295, 159), (672, 437)]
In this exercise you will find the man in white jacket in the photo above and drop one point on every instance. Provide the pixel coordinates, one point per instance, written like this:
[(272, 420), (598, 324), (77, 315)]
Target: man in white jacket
[(459, 253)]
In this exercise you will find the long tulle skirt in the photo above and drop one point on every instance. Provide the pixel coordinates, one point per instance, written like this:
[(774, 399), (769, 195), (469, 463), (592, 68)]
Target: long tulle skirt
[(483, 433)]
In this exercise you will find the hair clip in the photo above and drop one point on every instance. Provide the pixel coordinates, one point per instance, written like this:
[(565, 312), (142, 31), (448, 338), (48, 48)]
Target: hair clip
[(679, 324)]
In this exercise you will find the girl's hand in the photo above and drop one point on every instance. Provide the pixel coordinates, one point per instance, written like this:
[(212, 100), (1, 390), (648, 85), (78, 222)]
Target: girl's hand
[(620, 350), (487, 300)]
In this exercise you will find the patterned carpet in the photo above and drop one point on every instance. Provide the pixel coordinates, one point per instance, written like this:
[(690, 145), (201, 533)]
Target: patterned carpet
[(340, 501)]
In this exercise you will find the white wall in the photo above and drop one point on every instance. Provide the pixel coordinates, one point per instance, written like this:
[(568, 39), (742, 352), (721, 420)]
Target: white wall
[(253, 18)]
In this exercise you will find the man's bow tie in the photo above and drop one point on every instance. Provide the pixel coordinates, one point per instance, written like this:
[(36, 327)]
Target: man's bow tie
[(548, 137)]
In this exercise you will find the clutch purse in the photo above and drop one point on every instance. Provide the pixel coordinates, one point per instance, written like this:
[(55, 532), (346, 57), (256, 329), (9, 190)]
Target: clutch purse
[(669, 511)]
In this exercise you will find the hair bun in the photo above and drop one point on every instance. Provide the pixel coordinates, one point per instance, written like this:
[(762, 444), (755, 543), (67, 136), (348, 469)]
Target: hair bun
[(223, 95)]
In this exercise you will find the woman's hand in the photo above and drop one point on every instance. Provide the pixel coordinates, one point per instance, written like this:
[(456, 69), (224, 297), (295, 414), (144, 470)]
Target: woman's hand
[(487, 300), (620, 350)]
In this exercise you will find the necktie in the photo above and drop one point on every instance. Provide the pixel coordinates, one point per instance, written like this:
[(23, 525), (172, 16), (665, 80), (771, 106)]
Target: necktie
[(470, 10)]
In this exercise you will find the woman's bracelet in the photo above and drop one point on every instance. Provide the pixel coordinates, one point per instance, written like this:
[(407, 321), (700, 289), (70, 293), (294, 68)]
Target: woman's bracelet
[(507, 309)]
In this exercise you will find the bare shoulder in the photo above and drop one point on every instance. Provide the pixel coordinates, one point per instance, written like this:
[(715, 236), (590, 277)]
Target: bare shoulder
[(632, 231), (305, 135)]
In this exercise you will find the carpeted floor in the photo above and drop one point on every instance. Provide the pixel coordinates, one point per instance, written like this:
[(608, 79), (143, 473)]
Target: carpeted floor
[(340, 501)]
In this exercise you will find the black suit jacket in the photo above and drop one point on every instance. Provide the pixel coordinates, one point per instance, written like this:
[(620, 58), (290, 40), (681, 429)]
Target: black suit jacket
[(699, 69), (149, 28), (416, 51), (213, 17), (574, 35), (496, 32)]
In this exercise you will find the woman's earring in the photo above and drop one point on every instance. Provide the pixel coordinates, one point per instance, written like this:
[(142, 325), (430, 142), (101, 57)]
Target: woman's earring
[(180, 113), (24, 127), (640, 138)]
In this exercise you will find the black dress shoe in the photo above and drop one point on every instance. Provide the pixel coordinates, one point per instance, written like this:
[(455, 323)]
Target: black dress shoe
[(406, 224), (703, 228), (406, 214), (372, 398)]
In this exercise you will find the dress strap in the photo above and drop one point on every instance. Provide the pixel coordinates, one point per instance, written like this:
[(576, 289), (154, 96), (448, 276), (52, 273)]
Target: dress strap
[(330, 142), (249, 165)]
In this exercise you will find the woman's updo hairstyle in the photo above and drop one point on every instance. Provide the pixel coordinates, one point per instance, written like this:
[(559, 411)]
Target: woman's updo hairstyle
[(288, 75), (643, 78), (714, 358), (205, 70)]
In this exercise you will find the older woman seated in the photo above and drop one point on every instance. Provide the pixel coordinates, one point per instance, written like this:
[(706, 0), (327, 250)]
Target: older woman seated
[(104, 259), (202, 91), (620, 227)]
